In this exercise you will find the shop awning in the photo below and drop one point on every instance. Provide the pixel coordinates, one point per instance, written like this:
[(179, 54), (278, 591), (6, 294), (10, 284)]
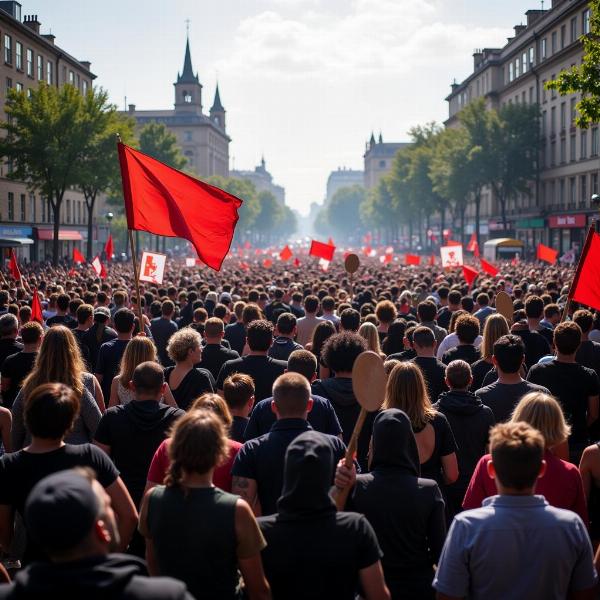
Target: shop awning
[(6, 242), (47, 233)]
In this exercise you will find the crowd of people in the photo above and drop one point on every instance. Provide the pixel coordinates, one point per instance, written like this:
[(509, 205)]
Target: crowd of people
[(199, 451)]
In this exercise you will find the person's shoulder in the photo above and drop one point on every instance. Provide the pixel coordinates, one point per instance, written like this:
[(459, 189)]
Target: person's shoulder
[(262, 405), (234, 362), (321, 401), (282, 364), (156, 588), (440, 420), (536, 387), (11, 459)]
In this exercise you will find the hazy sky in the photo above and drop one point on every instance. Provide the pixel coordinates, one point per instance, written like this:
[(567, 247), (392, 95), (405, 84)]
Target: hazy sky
[(303, 81)]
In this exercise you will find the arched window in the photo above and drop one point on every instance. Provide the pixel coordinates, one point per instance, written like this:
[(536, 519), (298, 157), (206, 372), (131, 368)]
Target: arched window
[(187, 97)]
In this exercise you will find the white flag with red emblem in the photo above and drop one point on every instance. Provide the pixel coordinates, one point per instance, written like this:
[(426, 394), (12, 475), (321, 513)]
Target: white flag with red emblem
[(152, 267)]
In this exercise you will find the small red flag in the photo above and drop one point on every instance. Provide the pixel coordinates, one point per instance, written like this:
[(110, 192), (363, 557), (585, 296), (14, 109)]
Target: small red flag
[(470, 274), (431, 261), (412, 259), (164, 201), (109, 248), (547, 254), (267, 263), (77, 256), (473, 245), (368, 251), (71, 272), (488, 268), (296, 262), (324, 251), (286, 253), (13, 266), (99, 268), (247, 245), (36, 308), (586, 283)]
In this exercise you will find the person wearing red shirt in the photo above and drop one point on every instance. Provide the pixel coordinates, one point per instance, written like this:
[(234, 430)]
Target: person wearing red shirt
[(561, 484), (222, 474)]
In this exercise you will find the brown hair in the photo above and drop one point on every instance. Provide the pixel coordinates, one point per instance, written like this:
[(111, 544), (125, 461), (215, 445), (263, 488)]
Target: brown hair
[(567, 337), (291, 393), (140, 349), (50, 410), (458, 374), (198, 444), (216, 404), (407, 391), (237, 390), (495, 327), (385, 311)]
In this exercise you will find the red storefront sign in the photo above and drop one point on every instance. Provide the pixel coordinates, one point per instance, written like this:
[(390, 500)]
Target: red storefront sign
[(567, 221)]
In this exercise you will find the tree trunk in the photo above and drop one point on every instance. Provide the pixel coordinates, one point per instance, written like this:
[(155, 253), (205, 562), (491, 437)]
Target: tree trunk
[(442, 225), (410, 234), (503, 210), (89, 203), (55, 241), (477, 212), (463, 210)]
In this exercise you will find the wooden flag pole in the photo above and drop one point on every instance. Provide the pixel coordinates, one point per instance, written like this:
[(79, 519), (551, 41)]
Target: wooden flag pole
[(136, 275)]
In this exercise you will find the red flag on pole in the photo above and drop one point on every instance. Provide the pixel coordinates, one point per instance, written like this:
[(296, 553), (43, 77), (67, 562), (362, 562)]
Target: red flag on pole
[(324, 251), (431, 261), (473, 245), (164, 201), (547, 254), (586, 283), (412, 259), (36, 308), (267, 263), (77, 256), (296, 262), (488, 268), (99, 267), (109, 248), (286, 253), (13, 266), (470, 274)]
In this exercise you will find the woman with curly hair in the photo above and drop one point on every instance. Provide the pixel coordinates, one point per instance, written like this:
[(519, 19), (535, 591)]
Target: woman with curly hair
[(194, 531)]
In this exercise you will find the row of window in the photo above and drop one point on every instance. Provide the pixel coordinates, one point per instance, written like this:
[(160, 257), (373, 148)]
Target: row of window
[(564, 191), (74, 211), (33, 65), (549, 157)]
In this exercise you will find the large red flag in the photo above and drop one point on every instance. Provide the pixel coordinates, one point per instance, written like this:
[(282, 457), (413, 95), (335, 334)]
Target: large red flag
[(286, 253), (547, 254), (324, 251), (36, 308), (109, 249), (13, 266), (77, 256), (412, 259), (488, 268), (164, 201), (586, 283), (470, 274)]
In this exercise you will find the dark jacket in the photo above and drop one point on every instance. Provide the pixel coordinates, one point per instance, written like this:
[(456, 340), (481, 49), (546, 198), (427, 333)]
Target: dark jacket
[(406, 512), (115, 576), (470, 421), (338, 390)]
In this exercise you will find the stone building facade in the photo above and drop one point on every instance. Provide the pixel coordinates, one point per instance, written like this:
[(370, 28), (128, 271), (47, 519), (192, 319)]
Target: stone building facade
[(378, 158)]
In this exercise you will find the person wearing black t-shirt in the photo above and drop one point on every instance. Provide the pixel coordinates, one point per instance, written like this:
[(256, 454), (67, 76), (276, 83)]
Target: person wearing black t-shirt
[(258, 467), (162, 329), (445, 313), (49, 414), (85, 319), (576, 387), (9, 330), (99, 333), (238, 391), (62, 317), (504, 394), (433, 370), (235, 333), (17, 366), (467, 330), (588, 353), (405, 510), (111, 353), (409, 352), (534, 309), (344, 552), (214, 353), (263, 369)]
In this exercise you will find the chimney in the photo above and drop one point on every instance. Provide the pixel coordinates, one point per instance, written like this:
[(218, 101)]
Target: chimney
[(86, 64), (454, 86), (131, 108), (32, 22), (519, 29), (477, 59), (49, 36), (533, 16)]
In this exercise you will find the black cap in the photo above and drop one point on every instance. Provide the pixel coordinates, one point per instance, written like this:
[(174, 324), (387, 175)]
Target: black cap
[(61, 510)]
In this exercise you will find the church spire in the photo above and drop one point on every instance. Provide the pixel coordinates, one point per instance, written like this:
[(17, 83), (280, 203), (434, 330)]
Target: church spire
[(187, 75), (217, 112), (217, 106)]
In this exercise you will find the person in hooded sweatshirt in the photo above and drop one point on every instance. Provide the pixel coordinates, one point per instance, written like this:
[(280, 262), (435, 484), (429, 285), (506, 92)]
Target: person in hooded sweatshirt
[(258, 467), (406, 512), (70, 516), (339, 353), (312, 550), (131, 433), (470, 421)]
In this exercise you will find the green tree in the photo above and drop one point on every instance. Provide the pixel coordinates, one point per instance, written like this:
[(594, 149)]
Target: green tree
[(99, 170), (343, 212), (377, 210), (321, 222), (288, 224), (269, 216), (157, 141), (584, 79), (46, 137), (515, 148)]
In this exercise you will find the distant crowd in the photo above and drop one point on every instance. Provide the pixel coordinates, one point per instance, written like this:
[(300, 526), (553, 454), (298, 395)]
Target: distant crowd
[(199, 452)]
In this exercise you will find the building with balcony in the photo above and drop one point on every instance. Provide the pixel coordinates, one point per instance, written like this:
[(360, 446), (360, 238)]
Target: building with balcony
[(557, 209)]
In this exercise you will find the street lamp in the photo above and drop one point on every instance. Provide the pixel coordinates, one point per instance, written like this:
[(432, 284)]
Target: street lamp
[(109, 217)]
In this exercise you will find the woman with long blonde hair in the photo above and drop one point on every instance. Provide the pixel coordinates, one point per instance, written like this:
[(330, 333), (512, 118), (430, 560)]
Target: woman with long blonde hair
[(59, 360), (140, 349), (561, 483), (370, 333), (495, 327), (407, 391)]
